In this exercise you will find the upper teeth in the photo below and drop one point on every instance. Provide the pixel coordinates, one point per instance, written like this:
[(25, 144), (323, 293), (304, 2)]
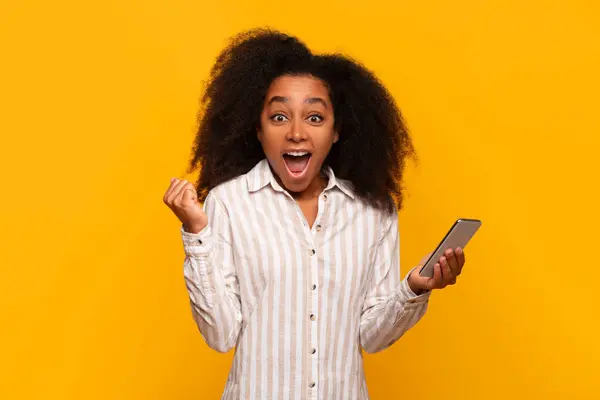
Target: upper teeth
[(297, 153)]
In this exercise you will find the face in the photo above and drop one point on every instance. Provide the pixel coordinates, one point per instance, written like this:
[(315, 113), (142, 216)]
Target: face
[(297, 130)]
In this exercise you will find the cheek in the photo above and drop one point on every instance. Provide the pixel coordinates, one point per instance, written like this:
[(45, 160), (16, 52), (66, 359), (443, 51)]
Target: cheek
[(326, 139), (269, 140)]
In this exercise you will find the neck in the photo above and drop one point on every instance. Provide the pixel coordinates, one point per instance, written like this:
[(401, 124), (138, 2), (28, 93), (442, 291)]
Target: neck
[(313, 190)]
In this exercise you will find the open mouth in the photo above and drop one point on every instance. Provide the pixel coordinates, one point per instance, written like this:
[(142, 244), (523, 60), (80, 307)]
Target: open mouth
[(296, 162)]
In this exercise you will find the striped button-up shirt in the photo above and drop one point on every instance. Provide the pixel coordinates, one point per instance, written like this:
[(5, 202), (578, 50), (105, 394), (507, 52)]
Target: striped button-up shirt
[(298, 303)]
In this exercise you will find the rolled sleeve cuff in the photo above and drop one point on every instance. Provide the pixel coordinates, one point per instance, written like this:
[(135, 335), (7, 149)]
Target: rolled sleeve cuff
[(197, 244)]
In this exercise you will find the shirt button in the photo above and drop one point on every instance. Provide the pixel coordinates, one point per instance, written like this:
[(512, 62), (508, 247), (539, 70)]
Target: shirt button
[(313, 351), (313, 287), (312, 317), (311, 385), (318, 228), (313, 252), (324, 197), (199, 241)]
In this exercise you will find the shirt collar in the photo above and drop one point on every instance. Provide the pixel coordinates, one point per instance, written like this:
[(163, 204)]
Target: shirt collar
[(261, 175)]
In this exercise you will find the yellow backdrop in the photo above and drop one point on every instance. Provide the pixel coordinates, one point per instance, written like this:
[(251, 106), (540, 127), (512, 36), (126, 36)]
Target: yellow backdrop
[(98, 112)]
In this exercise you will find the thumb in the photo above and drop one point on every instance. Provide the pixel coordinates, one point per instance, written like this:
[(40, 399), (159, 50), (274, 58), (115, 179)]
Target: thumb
[(190, 195)]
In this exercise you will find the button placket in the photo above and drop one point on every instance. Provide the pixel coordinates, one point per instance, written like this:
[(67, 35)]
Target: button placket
[(313, 294), (314, 305)]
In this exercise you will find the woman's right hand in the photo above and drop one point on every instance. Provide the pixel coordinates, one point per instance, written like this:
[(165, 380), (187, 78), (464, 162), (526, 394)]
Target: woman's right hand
[(181, 197)]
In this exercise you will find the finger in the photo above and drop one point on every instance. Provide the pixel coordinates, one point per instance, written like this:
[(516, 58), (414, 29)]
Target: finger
[(436, 280), (181, 190), (451, 258), (446, 272), (460, 258), (173, 197), (173, 183)]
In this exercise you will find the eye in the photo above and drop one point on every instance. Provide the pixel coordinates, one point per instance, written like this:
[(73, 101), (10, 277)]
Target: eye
[(315, 119), (278, 118)]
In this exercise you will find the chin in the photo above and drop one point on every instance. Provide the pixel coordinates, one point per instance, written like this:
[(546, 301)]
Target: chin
[(295, 183), (294, 186)]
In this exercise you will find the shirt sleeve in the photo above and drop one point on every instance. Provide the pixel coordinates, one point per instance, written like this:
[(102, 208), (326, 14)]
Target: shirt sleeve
[(390, 307), (211, 279)]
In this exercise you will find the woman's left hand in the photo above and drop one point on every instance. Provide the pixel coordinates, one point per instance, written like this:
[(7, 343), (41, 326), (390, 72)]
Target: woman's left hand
[(445, 272)]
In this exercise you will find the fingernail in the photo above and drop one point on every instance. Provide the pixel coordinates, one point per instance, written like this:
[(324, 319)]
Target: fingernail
[(172, 179), (458, 250)]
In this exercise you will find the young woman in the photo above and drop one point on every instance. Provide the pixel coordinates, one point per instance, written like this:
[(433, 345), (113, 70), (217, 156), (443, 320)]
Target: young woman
[(293, 259)]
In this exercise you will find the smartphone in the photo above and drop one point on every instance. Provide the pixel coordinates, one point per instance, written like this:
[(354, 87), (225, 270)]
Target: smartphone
[(458, 236)]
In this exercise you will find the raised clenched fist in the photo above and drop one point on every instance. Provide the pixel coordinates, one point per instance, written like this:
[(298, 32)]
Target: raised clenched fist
[(181, 197)]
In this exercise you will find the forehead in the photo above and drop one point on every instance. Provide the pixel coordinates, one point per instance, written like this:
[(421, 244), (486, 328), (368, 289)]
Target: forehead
[(298, 87)]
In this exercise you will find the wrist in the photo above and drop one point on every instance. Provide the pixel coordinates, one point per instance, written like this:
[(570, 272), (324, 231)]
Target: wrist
[(194, 228), (415, 285)]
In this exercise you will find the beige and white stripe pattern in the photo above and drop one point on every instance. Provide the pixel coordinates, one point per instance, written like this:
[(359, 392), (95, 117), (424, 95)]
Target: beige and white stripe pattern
[(297, 303)]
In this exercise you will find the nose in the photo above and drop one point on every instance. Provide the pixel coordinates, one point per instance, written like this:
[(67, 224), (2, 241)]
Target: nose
[(296, 134)]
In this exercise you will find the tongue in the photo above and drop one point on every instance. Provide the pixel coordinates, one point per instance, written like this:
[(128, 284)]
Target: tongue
[(296, 164)]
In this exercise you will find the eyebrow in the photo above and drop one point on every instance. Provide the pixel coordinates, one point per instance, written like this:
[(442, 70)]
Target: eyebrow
[(310, 100), (313, 100)]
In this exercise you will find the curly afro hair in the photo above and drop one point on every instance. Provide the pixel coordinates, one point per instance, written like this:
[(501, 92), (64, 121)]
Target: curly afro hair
[(373, 145)]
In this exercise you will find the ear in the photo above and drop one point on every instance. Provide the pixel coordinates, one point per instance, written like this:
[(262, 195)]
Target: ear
[(336, 137), (259, 134)]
